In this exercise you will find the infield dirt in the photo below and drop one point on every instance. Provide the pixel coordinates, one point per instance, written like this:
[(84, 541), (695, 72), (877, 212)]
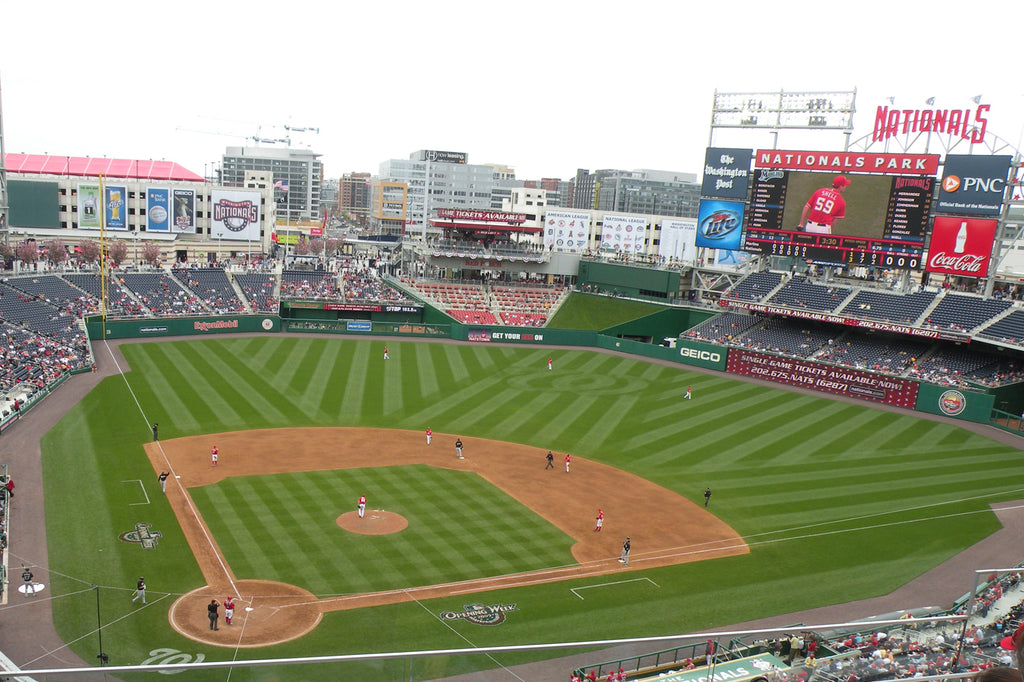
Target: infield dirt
[(665, 528)]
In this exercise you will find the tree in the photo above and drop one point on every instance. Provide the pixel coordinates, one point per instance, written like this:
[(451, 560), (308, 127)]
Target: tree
[(302, 246), (150, 253), (333, 244), (28, 252), (89, 251), (56, 253), (316, 246), (117, 252), (6, 254)]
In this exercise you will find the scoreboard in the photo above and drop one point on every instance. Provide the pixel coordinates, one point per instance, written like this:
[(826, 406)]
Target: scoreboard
[(885, 221)]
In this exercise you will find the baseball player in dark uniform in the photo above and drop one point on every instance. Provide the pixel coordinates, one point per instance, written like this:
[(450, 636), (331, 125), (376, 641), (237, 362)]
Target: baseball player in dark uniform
[(155, 428), (27, 576), (140, 590), (551, 461), (624, 559), (707, 496), (458, 448), (163, 481)]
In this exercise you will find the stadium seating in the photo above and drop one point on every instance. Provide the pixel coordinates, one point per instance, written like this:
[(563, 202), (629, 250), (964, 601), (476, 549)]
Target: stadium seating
[(258, 288), (787, 336), (755, 287), (213, 287), (888, 307), (315, 284), (963, 313), (798, 293), (722, 328), (161, 294), (119, 302)]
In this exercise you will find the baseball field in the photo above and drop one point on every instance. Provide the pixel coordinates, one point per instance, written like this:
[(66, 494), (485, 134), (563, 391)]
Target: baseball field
[(815, 501)]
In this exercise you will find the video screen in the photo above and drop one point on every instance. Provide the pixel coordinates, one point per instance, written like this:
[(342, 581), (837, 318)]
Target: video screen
[(854, 219)]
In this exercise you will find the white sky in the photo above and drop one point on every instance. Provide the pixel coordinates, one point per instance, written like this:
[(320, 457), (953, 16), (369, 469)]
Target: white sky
[(542, 86)]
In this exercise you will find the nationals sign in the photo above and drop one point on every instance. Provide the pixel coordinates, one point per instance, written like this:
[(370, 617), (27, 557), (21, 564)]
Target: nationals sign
[(827, 378), (961, 246)]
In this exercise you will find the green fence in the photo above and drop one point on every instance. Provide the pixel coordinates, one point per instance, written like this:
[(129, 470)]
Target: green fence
[(954, 402), (180, 326)]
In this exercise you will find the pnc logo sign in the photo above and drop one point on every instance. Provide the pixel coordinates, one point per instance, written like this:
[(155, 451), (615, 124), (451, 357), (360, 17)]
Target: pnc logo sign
[(954, 183)]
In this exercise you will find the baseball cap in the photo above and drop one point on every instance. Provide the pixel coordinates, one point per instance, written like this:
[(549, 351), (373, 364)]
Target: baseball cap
[(840, 181), (1009, 643)]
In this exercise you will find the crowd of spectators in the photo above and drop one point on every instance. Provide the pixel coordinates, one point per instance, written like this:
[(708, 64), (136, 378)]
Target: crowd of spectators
[(29, 360), (213, 287), (314, 284), (362, 283)]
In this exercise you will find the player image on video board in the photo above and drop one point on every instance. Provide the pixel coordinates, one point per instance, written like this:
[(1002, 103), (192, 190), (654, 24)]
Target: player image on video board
[(834, 217)]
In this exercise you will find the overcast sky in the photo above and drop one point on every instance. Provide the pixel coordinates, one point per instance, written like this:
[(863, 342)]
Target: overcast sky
[(542, 86)]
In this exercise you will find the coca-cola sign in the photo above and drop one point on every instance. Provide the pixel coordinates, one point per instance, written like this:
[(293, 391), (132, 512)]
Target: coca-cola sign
[(961, 246)]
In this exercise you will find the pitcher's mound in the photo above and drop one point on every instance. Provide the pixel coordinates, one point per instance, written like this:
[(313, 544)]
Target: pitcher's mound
[(375, 522), (266, 612)]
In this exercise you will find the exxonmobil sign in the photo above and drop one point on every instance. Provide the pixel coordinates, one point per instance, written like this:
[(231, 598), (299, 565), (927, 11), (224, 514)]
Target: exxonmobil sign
[(961, 246)]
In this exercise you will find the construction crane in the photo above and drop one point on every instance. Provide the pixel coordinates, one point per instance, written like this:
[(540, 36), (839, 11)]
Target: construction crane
[(296, 129)]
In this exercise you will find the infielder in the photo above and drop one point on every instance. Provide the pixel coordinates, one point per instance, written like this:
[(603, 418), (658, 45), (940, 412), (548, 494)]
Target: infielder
[(429, 435), (229, 609), (140, 590), (599, 522), (824, 207), (567, 460), (458, 448), (214, 454), (362, 505)]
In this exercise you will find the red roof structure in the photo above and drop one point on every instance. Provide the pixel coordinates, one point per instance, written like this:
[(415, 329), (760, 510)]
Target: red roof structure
[(88, 166)]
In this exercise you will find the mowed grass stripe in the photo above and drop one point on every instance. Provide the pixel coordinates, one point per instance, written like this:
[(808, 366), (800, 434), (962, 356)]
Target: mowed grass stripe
[(357, 356), (155, 390), (303, 544), (426, 359), (294, 374), (256, 394)]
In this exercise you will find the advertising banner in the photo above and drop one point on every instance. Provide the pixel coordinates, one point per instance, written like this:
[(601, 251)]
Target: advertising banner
[(115, 205), (701, 354), (848, 162), (566, 230), (955, 402), (961, 246), (678, 240), (973, 185), (158, 209), (184, 210), (623, 233), (826, 378), (235, 215), (726, 173), (719, 224), (89, 206), (847, 321)]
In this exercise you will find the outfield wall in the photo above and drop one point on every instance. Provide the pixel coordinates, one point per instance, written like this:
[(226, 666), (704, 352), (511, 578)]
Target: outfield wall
[(958, 403), (180, 326)]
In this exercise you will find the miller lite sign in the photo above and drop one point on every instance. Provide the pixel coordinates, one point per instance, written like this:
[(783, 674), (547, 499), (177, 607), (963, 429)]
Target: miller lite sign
[(961, 246)]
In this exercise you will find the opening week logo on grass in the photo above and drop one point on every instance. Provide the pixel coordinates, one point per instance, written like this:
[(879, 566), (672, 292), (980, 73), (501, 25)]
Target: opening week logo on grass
[(480, 614)]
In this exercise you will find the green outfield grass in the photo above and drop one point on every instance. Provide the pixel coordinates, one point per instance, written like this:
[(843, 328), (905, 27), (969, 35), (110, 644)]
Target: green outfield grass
[(838, 501), (284, 528), (588, 312)]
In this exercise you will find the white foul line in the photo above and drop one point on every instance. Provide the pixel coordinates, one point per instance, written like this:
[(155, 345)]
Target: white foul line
[(617, 582), (144, 493)]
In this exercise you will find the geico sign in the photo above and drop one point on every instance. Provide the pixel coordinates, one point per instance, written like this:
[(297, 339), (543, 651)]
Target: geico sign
[(695, 354)]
